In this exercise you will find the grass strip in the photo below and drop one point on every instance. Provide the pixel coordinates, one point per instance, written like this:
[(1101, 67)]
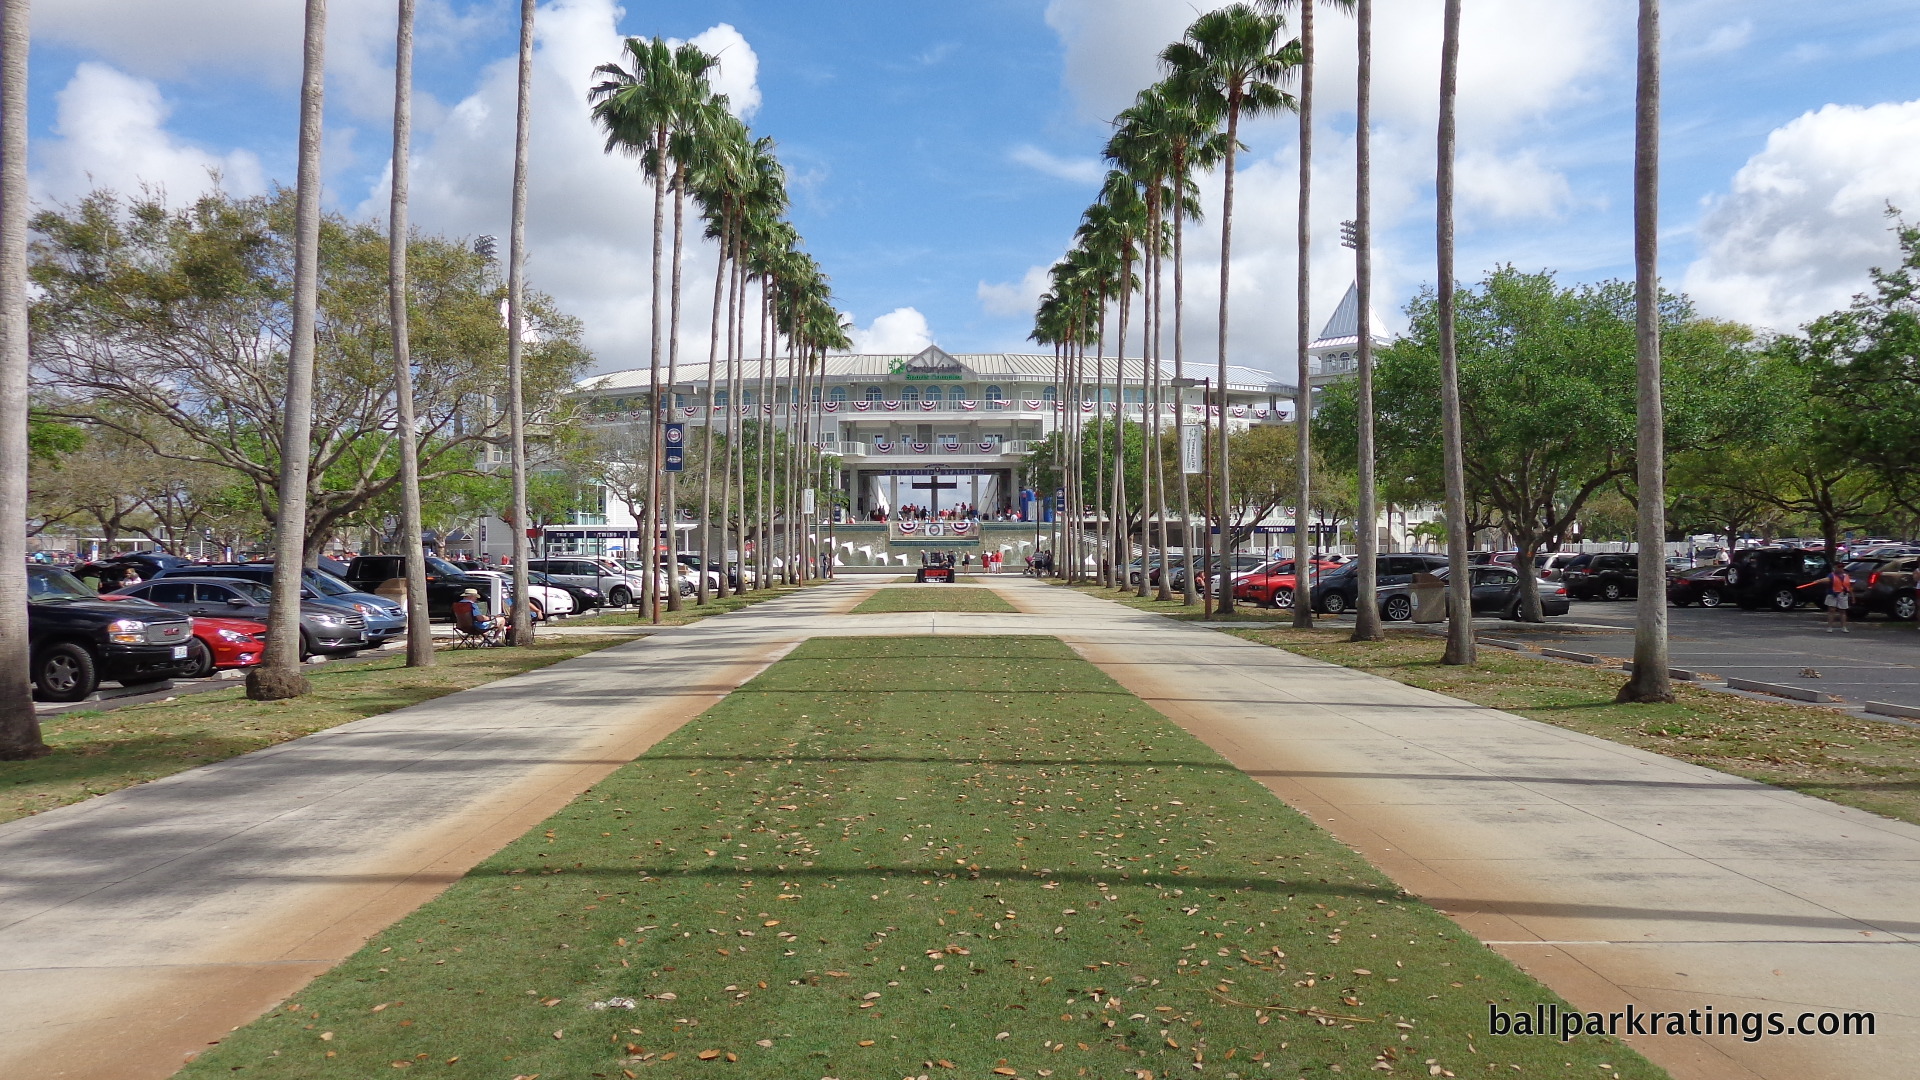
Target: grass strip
[(1866, 764), (959, 579), (692, 612), (934, 598), (98, 752), (965, 857), (1252, 614)]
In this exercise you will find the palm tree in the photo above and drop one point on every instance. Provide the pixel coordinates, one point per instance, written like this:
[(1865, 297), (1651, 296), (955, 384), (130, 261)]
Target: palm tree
[(19, 727), (1366, 615), (278, 675), (521, 632), (1460, 645), (696, 120), (1651, 679), (412, 542), (639, 109), (1230, 60), (1303, 305)]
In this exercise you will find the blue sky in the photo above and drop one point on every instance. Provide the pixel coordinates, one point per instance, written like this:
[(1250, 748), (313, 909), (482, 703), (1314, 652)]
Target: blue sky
[(940, 153)]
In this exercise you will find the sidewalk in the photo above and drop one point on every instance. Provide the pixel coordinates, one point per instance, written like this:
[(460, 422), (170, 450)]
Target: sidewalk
[(140, 926)]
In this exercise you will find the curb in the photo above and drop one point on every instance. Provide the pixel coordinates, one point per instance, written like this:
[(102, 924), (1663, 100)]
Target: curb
[(1885, 708), (1576, 657), (1798, 693), (1672, 673)]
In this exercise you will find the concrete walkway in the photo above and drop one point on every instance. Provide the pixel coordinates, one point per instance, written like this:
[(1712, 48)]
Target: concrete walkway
[(138, 927)]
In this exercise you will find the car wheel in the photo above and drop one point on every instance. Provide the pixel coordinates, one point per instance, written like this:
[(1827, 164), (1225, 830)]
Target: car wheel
[(1333, 604), (1397, 609), (1906, 608), (686, 587), (621, 596), (306, 647), (1785, 600), (199, 659), (1711, 598), (64, 672), (1611, 591), (1283, 598)]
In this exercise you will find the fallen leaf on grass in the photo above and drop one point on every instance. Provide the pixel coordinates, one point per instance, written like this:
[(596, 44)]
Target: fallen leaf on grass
[(866, 1042), (709, 1055), (1005, 1072)]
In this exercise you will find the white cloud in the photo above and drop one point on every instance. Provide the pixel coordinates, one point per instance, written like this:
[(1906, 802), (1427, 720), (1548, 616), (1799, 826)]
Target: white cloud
[(110, 132), (589, 226), (1727, 38), (1804, 220), (1511, 188), (738, 74), (902, 331), (1017, 298), (1076, 170)]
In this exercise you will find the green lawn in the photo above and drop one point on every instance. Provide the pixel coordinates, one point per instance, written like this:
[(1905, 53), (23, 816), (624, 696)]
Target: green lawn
[(691, 612), (1867, 764), (934, 598), (98, 752), (947, 857)]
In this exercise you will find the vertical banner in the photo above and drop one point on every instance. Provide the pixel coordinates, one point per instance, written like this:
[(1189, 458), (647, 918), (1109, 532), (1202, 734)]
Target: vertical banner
[(676, 439), (1191, 454), (806, 500)]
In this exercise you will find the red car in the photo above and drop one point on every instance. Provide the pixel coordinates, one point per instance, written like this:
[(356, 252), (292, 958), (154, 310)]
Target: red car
[(224, 643), (220, 643), (1272, 585)]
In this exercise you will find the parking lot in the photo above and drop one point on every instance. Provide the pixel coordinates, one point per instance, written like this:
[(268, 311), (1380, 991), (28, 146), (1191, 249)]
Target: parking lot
[(1878, 661)]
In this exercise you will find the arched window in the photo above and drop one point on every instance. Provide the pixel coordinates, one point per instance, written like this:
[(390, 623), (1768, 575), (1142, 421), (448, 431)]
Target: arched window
[(838, 393), (1050, 394), (874, 393), (994, 394), (1136, 395), (720, 398), (748, 398), (910, 393), (815, 396), (956, 395)]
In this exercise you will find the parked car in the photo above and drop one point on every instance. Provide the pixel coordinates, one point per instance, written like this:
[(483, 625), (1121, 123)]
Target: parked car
[(1885, 586), (75, 639), (1552, 565), (327, 628), (692, 561), (1339, 591), (546, 601), (1274, 584), (1705, 585), (385, 618), (1604, 576), (584, 598), (386, 577), (1778, 577), (1242, 563), (220, 643), (1496, 590), (613, 581)]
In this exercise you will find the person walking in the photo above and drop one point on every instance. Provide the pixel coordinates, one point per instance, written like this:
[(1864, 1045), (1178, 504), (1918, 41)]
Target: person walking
[(1839, 598)]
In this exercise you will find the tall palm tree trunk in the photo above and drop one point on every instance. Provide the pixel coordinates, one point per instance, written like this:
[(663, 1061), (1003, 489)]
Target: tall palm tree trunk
[(1224, 511), (412, 542), (651, 587), (706, 452), (720, 367), (738, 402), (1157, 282), (1651, 681), (20, 736), (1122, 533), (1303, 538), (522, 631), (672, 501), (1366, 615), (278, 675), (1191, 592), (1460, 645), (1103, 524), (762, 464)]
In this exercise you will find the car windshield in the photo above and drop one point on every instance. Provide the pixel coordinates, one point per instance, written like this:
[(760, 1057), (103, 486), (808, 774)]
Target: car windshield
[(252, 590), (327, 584), (1863, 566), (46, 584), (442, 567)]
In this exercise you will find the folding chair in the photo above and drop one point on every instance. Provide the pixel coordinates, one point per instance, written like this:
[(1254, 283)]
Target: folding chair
[(470, 634)]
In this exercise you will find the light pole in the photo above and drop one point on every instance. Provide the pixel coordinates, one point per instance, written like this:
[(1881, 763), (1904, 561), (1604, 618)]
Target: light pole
[(1206, 442)]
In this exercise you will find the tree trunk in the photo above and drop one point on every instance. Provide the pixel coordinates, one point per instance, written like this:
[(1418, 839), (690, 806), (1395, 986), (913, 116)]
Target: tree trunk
[(1224, 589), (1651, 679), (1460, 644), (706, 453), (19, 728), (521, 632), (1123, 533), (1303, 539), (412, 543), (1191, 593), (278, 675), (1366, 615), (654, 419), (1157, 499)]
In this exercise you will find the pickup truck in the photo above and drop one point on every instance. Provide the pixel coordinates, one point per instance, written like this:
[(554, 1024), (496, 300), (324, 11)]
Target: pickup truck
[(445, 581), (77, 639)]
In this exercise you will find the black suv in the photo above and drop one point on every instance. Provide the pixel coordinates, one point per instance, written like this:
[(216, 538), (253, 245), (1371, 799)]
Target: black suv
[(445, 581), (1338, 591), (1608, 576), (77, 639), (1778, 578)]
